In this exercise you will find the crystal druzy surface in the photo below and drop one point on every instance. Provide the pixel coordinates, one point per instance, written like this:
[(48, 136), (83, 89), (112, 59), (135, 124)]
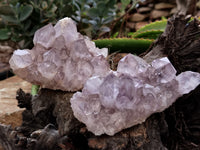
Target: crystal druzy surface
[(128, 96), (61, 58)]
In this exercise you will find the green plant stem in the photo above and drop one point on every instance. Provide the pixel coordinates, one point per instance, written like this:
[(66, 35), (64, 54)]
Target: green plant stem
[(34, 89), (125, 45)]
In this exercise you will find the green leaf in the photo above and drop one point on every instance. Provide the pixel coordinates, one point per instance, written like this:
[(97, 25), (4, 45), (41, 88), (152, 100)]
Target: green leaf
[(105, 29), (2, 24), (4, 34), (53, 8), (111, 3), (25, 12), (101, 6), (16, 38), (27, 24), (11, 19), (124, 4), (44, 5), (115, 35), (6, 10), (107, 20), (93, 12)]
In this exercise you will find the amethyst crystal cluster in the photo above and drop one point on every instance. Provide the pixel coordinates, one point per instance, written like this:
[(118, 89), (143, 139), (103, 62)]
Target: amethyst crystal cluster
[(110, 100), (61, 58), (128, 96)]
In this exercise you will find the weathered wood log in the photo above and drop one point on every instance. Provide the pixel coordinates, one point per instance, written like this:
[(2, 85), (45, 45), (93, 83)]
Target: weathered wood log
[(180, 43), (48, 121), (6, 140)]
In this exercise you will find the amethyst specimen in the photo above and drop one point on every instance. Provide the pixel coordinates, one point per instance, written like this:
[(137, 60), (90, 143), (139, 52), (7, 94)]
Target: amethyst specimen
[(61, 58), (128, 96), (111, 100)]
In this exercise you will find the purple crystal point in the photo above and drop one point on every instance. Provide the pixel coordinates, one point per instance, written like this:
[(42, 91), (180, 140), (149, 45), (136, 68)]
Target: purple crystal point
[(164, 69), (92, 48), (188, 81), (45, 36), (66, 27), (128, 96), (22, 58), (61, 58), (132, 65)]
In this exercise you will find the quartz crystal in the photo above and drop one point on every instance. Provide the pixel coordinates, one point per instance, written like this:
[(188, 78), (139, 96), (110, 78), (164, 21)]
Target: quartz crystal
[(61, 58), (128, 96)]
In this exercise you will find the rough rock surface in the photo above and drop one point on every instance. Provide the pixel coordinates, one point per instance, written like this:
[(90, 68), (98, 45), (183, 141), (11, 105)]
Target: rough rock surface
[(131, 94), (61, 58)]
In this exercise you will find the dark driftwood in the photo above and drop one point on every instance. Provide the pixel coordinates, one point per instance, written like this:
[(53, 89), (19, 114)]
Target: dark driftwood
[(180, 42), (48, 121)]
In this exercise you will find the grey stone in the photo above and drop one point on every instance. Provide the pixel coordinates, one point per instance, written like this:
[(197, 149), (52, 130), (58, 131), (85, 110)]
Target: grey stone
[(144, 9), (164, 6), (155, 14), (137, 17)]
